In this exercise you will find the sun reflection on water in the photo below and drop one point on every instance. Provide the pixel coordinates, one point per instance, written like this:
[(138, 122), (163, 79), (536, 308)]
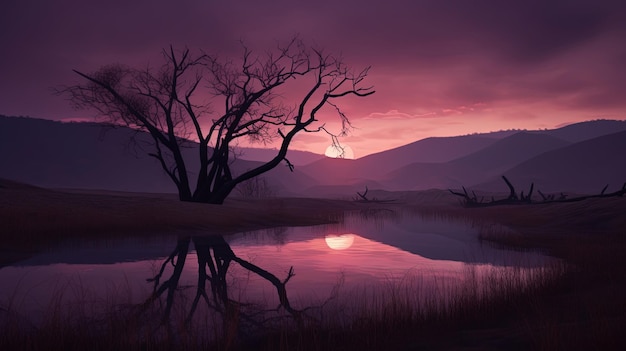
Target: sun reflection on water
[(339, 242)]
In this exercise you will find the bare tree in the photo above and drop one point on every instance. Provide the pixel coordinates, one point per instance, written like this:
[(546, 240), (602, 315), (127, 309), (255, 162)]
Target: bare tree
[(167, 102)]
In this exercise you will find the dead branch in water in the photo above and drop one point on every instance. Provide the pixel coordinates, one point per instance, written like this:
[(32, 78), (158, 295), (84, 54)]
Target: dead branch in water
[(364, 195), (363, 198), (514, 199)]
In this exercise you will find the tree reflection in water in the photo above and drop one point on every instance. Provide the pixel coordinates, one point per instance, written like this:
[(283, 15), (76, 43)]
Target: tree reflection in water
[(214, 259)]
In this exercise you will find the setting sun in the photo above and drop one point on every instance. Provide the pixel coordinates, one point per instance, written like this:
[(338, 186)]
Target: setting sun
[(343, 151)]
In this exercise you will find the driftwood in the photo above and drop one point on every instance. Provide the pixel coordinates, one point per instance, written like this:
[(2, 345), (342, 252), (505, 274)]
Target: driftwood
[(514, 199), (363, 198)]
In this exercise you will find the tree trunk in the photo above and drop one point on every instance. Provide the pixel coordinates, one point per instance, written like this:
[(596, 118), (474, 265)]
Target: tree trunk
[(183, 193), (218, 196)]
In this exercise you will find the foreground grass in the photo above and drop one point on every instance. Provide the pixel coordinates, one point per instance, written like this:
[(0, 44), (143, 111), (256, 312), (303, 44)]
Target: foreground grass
[(405, 316), (417, 311)]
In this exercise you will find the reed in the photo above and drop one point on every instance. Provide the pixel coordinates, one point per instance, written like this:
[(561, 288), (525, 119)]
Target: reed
[(421, 311), (415, 308)]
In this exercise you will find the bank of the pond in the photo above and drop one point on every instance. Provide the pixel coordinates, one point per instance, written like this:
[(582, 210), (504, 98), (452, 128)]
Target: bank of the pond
[(32, 218), (588, 310)]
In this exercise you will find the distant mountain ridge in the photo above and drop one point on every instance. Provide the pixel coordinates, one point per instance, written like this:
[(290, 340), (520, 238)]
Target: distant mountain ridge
[(92, 156), (371, 167), (85, 155), (586, 167), (511, 150), (582, 131), (573, 132)]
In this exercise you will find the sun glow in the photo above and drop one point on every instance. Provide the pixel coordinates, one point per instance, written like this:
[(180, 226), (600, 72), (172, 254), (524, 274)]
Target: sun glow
[(336, 151), (339, 242)]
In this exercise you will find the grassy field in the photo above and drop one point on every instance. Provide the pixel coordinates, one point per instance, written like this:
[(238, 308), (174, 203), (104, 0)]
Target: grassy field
[(577, 305), (33, 218)]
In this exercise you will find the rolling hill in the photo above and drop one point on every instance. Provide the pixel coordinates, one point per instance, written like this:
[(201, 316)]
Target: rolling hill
[(508, 152), (89, 156), (584, 167), (372, 167), (296, 157), (471, 158), (476, 167), (582, 131), (77, 155)]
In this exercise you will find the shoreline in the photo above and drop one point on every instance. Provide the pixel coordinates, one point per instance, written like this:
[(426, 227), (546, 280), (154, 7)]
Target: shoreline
[(33, 218)]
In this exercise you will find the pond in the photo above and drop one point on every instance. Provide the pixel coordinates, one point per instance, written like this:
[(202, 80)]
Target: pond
[(262, 274)]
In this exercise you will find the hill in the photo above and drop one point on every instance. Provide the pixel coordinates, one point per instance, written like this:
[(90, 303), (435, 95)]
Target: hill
[(77, 155), (577, 132), (93, 156), (510, 151), (472, 158), (296, 157), (584, 167), (373, 167), (476, 167)]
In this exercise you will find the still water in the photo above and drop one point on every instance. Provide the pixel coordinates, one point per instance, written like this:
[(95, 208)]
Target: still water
[(281, 269)]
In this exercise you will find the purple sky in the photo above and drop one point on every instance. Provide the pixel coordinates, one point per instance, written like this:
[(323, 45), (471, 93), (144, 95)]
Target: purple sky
[(439, 67)]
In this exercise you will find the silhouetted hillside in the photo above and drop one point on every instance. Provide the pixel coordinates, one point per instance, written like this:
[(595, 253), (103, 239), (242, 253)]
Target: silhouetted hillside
[(88, 155), (296, 157), (510, 151), (587, 130), (431, 150), (584, 167), (77, 155), (372, 167), (423, 176), (92, 156), (335, 171), (476, 167)]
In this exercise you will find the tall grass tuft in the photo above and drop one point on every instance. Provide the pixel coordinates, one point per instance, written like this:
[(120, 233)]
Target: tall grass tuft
[(415, 308), (419, 310)]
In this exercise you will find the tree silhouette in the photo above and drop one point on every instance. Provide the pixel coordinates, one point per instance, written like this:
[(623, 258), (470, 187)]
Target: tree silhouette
[(179, 101), (214, 260)]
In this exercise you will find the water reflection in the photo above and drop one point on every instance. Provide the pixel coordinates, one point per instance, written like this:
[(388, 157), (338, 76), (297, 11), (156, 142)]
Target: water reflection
[(250, 277), (214, 258), (339, 242)]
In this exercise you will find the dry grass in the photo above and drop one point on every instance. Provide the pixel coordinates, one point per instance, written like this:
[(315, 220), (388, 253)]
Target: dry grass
[(33, 218), (419, 312), (589, 310), (415, 310), (42, 212)]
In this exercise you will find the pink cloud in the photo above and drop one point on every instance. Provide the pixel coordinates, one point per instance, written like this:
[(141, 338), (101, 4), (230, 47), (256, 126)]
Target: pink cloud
[(395, 114)]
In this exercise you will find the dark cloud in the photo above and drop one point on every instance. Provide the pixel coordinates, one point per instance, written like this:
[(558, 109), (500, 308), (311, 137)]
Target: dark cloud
[(427, 55)]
